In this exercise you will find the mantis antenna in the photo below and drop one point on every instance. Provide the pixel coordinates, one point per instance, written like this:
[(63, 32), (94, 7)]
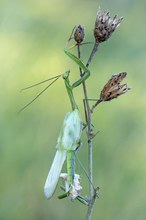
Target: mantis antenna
[(55, 79)]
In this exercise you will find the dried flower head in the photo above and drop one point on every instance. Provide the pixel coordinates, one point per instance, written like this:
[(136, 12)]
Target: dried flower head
[(75, 188), (79, 34), (113, 88), (105, 25)]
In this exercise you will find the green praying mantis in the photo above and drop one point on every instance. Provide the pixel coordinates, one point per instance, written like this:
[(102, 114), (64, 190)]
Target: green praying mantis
[(70, 133)]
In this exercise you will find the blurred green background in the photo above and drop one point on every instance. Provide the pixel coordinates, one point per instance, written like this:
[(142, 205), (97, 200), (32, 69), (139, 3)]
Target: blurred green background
[(32, 38)]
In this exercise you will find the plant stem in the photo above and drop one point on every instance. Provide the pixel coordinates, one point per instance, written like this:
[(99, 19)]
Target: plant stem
[(88, 116), (96, 104), (92, 53)]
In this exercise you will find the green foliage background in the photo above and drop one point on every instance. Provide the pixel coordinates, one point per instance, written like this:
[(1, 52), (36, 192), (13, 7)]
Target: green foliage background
[(32, 38)]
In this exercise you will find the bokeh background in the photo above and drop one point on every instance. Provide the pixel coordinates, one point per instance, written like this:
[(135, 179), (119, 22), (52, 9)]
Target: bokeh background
[(32, 38)]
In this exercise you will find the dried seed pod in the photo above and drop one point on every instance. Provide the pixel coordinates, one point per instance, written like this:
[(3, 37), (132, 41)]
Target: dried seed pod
[(79, 34), (105, 25), (113, 89)]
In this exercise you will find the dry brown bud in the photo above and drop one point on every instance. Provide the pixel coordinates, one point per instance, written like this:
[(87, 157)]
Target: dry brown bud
[(113, 89), (105, 26), (79, 34)]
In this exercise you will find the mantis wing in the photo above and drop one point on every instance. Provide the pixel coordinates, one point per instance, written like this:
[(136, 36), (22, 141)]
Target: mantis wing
[(54, 173)]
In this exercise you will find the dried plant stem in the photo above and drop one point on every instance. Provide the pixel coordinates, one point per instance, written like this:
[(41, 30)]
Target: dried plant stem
[(92, 53), (88, 116), (95, 105)]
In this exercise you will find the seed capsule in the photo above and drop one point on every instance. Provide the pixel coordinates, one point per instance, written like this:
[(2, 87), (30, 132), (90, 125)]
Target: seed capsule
[(105, 25), (79, 34), (113, 88)]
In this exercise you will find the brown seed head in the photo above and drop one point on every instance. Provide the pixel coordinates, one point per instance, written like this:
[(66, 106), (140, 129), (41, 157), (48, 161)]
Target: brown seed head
[(113, 89), (105, 26), (79, 34)]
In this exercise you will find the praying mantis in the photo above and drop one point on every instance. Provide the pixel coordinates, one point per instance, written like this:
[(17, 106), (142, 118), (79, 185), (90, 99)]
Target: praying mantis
[(70, 133), (69, 137)]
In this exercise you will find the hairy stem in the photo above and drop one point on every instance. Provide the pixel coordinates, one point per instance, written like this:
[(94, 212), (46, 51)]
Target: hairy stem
[(88, 117)]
